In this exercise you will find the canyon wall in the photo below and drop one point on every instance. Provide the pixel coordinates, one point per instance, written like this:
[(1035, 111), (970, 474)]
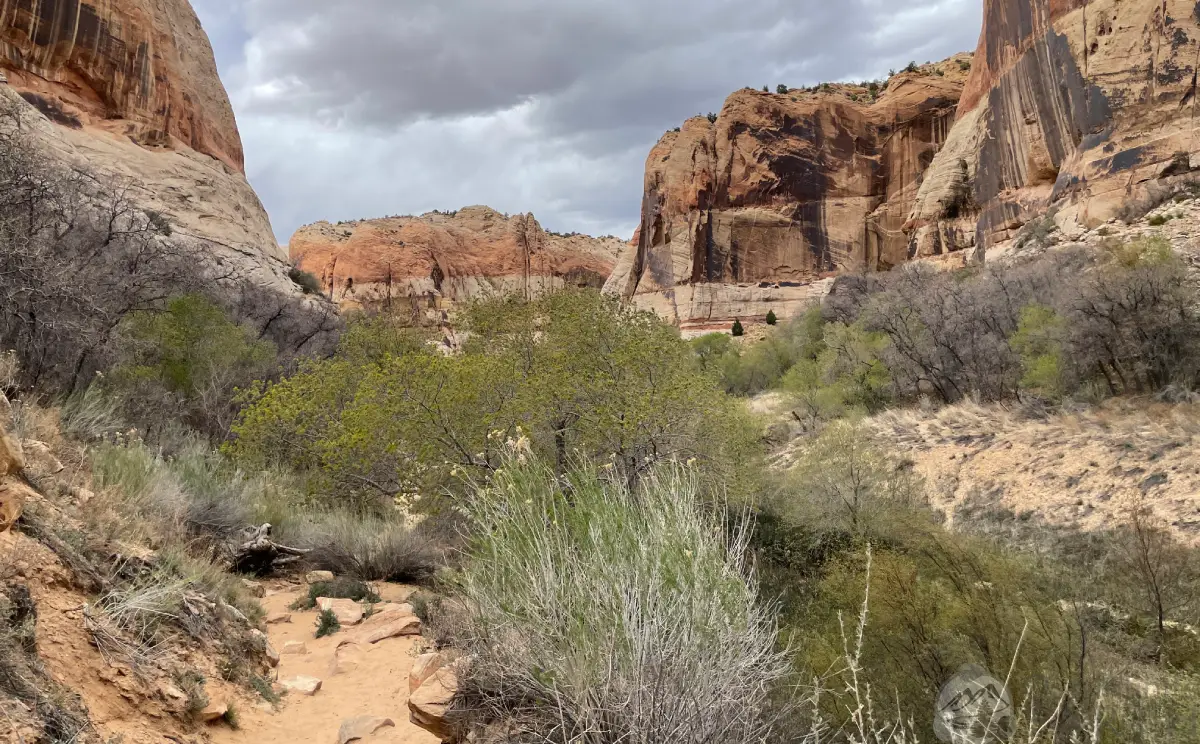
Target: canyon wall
[(1085, 105), (128, 91), (430, 262), (751, 211)]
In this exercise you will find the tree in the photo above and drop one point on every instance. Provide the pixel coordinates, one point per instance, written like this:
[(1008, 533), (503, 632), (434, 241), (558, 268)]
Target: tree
[(189, 358), (771, 319), (781, 89), (576, 373), (766, 89), (738, 330), (1163, 576)]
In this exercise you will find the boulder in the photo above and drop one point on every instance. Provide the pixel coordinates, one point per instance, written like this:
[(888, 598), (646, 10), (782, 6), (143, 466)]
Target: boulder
[(213, 713), (389, 627), (13, 495), (429, 703), (318, 577), (345, 658), (347, 611), (39, 458), (302, 685), (425, 666), (12, 460), (254, 589), (360, 727), (295, 648)]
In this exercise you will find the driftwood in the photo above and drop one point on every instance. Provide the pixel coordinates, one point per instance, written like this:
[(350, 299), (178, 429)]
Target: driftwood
[(260, 555)]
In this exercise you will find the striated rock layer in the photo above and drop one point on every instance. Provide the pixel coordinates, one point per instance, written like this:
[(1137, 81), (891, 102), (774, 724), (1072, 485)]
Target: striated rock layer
[(782, 190), (128, 90), (1088, 105), (439, 258)]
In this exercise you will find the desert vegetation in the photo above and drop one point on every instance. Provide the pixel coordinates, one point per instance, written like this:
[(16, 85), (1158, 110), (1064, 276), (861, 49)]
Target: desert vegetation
[(613, 547)]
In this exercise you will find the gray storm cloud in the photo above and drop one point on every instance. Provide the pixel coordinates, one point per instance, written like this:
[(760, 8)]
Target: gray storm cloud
[(363, 108)]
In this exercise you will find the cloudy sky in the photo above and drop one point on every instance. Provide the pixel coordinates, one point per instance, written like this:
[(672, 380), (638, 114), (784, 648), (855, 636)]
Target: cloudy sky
[(365, 108)]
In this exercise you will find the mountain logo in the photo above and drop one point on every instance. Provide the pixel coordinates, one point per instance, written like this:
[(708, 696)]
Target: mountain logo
[(973, 708)]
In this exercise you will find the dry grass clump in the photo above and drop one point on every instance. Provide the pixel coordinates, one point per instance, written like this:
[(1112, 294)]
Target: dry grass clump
[(595, 613), (369, 548)]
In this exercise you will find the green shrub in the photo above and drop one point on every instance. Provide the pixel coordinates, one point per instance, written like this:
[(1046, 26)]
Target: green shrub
[(327, 623), (305, 280), (1159, 220), (781, 89), (367, 548), (571, 371), (771, 319), (339, 588), (1037, 341), (186, 363), (738, 331), (595, 608)]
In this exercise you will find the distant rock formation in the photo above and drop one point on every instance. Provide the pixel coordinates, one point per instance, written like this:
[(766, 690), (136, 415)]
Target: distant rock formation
[(429, 262), (128, 91), (1089, 106), (752, 210)]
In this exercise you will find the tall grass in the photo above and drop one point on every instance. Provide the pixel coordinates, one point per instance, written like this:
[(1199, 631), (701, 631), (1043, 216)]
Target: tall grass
[(601, 614)]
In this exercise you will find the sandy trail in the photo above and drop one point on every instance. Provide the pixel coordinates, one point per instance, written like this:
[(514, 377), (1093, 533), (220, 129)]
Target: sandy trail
[(377, 686)]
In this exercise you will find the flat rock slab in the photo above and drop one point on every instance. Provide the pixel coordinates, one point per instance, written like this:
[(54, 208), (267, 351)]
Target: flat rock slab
[(390, 626), (361, 727), (278, 618), (347, 611), (302, 685)]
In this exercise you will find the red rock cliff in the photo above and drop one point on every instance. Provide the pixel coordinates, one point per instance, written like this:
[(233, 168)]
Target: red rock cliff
[(1086, 105), (141, 67), (785, 189), (444, 257)]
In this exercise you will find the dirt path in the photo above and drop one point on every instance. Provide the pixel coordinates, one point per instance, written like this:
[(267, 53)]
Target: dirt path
[(376, 686)]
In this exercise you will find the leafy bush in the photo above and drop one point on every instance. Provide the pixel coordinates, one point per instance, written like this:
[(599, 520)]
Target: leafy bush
[(327, 623), (600, 612), (339, 588), (188, 360), (781, 89), (771, 318), (368, 548), (384, 423), (306, 280)]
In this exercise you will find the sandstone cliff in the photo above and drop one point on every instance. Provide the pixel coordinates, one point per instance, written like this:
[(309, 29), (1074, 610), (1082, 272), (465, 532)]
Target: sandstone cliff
[(128, 91), (438, 258), (1089, 105), (751, 211)]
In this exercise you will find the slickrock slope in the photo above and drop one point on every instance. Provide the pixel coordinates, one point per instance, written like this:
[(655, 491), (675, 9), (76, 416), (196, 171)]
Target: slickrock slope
[(438, 258), (746, 213), (128, 91), (1088, 104)]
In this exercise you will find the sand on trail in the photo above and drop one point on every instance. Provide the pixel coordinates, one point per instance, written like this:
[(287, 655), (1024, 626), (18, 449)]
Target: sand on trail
[(377, 686)]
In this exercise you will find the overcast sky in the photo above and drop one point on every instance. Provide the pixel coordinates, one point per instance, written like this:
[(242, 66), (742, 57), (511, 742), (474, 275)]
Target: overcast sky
[(366, 108)]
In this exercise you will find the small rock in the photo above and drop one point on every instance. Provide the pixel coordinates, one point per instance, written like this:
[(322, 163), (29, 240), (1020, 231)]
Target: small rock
[(254, 588), (302, 685), (428, 704), (39, 456), (171, 692), (348, 611), (278, 618), (316, 577), (213, 713), (271, 654), (361, 727), (425, 666), (345, 658), (295, 648)]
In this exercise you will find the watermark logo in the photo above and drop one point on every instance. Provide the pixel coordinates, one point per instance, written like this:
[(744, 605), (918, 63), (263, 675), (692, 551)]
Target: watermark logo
[(973, 708)]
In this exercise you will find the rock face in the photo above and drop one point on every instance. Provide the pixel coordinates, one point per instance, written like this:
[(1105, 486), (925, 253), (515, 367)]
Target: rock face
[(1087, 105), (438, 258), (743, 214), (128, 91)]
